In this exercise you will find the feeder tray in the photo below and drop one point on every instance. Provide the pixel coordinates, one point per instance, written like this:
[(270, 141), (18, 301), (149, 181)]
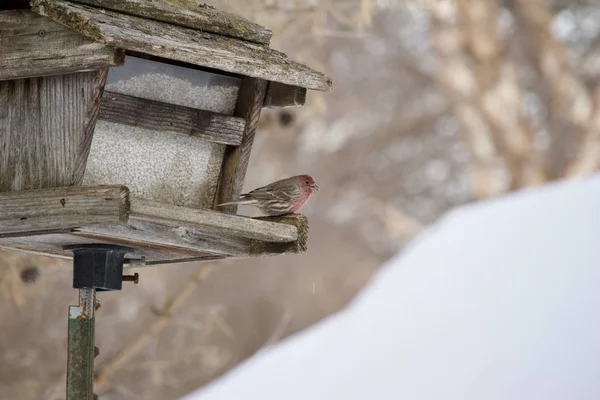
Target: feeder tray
[(45, 221)]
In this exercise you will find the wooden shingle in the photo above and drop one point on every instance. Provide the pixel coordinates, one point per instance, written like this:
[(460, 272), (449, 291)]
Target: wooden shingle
[(33, 46), (189, 14), (187, 45)]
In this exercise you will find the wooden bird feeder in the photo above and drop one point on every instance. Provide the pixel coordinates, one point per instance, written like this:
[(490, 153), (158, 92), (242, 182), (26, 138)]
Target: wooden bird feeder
[(124, 122)]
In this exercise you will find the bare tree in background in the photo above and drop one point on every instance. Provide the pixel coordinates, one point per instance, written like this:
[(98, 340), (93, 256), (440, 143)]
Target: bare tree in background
[(570, 98), (527, 115)]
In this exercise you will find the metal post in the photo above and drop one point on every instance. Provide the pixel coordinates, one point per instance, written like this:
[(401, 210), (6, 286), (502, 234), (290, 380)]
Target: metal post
[(95, 267), (80, 361)]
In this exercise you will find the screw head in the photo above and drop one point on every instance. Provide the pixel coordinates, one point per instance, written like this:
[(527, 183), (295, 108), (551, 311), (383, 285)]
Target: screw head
[(135, 278)]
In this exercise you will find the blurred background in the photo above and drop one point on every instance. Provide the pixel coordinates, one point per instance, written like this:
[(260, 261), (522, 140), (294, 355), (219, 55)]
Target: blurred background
[(436, 103)]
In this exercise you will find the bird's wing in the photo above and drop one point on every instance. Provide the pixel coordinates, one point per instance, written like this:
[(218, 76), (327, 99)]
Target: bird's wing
[(273, 191)]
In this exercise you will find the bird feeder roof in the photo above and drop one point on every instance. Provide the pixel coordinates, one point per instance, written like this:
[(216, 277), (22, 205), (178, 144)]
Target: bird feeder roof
[(184, 31), (188, 14)]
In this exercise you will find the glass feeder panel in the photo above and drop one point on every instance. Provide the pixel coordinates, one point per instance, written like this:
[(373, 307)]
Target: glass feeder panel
[(173, 84)]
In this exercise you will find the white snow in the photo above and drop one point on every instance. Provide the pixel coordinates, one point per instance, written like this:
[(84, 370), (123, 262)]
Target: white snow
[(499, 300)]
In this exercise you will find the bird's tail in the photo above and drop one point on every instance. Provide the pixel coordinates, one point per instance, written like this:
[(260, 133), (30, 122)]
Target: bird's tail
[(241, 201)]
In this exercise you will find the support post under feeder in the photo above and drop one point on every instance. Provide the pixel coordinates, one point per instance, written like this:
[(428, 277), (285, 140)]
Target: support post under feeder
[(96, 267)]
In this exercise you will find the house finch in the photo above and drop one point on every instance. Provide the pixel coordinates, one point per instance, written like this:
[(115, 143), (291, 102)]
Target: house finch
[(278, 198)]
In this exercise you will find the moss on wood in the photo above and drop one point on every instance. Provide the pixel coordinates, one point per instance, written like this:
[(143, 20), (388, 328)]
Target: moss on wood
[(188, 14), (166, 40)]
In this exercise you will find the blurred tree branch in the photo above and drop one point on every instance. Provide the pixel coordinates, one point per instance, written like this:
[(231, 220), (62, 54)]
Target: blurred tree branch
[(477, 71), (129, 351), (570, 96)]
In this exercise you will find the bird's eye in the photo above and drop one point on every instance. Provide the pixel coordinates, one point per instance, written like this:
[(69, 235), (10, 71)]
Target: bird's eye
[(307, 182)]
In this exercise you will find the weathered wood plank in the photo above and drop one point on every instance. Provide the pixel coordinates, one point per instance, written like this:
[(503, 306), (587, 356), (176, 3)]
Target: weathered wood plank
[(235, 161), (161, 240), (211, 222), (250, 247), (299, 246), (52, 245), (204, 231), (189, 14), (183, 44), (184, 239), (282, 95), (190, 237), (34, 212), (45, 220), (7, 244), (142, 243), (32, 46), (184, 260), (163, 117), (46, 128), (91, 117)]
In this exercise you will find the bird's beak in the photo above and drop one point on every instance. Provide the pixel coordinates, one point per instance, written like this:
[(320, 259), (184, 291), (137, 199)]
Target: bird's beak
[(314, 186)]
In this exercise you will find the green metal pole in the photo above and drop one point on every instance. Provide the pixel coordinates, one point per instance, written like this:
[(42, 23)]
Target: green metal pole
[(80, 362)]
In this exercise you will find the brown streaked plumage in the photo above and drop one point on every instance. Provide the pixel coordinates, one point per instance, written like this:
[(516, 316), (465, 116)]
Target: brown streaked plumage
[(282, 197)]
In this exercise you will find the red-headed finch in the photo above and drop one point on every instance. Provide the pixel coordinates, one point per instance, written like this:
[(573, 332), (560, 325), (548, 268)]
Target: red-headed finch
[(281, 197)]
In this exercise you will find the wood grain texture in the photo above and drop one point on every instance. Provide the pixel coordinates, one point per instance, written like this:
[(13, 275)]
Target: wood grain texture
[(85, 144), (46, 127), (32, 46), (142, 243), (179, 120), (300, 245), (191, 238), (183, 260), (182, 44), (189, 14), (235, 161), (211, 222), (245, 248), (52, 245), (43, 221), (34, 212), (204, 232), (156, 235), (282, 95)]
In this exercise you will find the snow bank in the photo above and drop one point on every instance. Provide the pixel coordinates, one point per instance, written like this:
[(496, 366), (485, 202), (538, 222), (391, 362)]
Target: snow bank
[(499, 300)]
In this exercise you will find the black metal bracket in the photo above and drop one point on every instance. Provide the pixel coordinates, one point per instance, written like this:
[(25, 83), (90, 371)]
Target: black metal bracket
[(98, 266)]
